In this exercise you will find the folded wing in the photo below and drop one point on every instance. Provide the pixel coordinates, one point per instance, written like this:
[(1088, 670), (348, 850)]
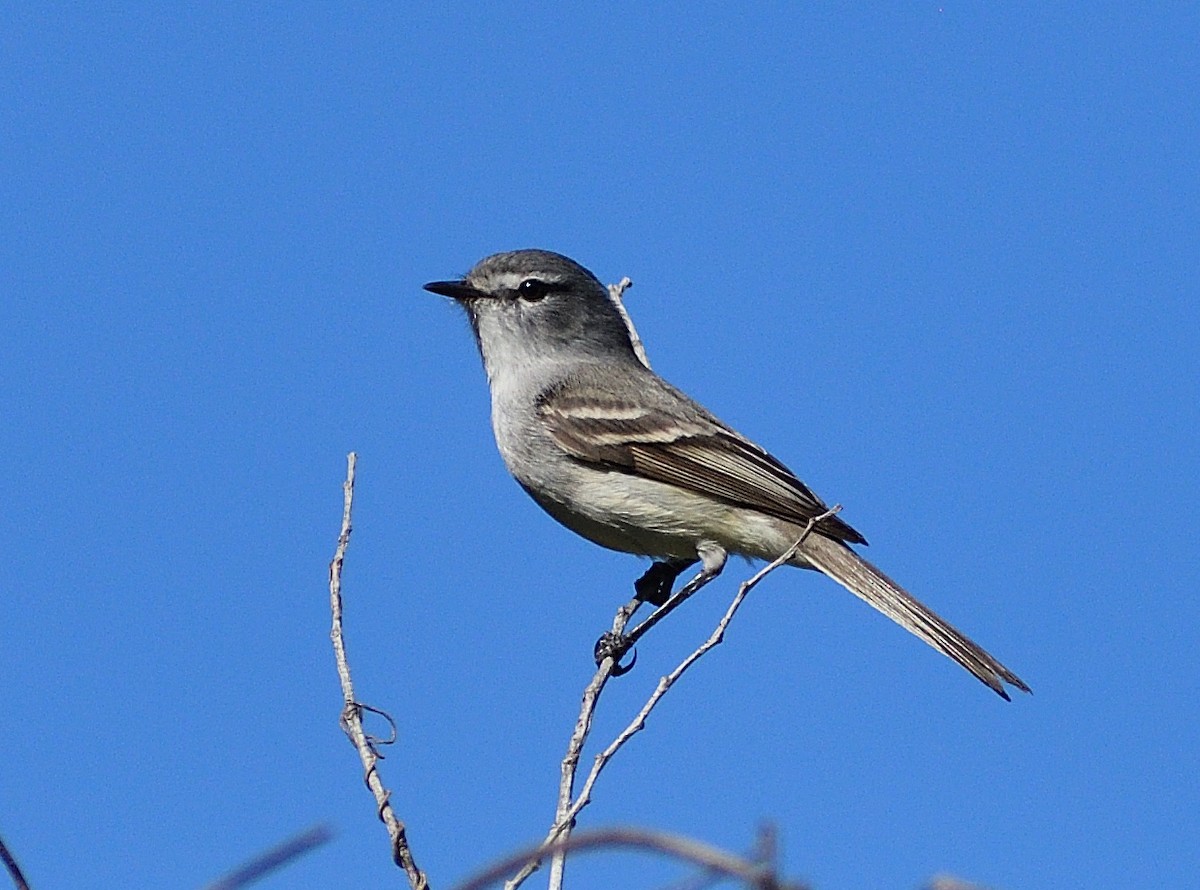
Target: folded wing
[(669, 438)]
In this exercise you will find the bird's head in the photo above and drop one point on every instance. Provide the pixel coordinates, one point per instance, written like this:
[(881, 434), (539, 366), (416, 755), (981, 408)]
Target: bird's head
[(527, 304)]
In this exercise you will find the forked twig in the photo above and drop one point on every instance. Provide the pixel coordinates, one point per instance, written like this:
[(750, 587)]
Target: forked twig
[(351, 719), (565, 817), (583, 726)]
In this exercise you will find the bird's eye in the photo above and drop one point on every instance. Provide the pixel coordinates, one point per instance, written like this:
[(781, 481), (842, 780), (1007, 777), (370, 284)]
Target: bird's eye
[(532, 289)]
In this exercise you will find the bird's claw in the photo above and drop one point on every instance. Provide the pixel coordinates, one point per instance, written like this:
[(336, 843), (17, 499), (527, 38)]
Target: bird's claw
[(614, 646)]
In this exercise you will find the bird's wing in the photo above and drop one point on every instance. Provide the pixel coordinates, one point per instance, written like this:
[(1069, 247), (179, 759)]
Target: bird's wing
[(667, 437)]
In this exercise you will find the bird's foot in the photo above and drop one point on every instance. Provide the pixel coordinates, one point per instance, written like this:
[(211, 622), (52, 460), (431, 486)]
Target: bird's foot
[(654, 587), (614, 646)]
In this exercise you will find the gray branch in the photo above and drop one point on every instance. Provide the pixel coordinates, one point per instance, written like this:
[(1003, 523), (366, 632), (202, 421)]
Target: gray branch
[(351, 718)]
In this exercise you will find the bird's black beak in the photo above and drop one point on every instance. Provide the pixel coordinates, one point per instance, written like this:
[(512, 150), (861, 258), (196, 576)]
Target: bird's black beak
[(455, 290)]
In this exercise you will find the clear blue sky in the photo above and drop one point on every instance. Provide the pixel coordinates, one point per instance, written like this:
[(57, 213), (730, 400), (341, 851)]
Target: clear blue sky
[(941, 258)]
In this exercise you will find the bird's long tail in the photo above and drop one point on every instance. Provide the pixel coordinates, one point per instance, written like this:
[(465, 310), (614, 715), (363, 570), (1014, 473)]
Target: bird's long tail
[(869, 584)]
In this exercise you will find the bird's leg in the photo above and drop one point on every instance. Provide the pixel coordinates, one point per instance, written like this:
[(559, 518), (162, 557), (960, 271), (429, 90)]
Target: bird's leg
[(654, 587), (712, 561)]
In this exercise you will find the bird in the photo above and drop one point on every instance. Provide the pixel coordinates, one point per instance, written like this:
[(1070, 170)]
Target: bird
[(621, 457)]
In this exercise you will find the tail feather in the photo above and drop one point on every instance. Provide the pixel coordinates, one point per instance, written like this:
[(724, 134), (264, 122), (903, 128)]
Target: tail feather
[(869, 584)]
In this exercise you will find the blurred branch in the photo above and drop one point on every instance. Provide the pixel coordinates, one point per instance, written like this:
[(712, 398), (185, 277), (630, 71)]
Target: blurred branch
[(351, 718), (14, 870), (949, 882), (764, 854), (758, 875), (272, 860)]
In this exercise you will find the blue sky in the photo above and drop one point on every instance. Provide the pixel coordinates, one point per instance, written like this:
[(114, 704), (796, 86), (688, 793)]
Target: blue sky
[(940, 258)]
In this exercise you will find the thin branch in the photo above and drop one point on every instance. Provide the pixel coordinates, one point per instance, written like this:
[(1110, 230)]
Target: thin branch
[(570, 762), (272, 860), (14, 870), (757, 875), (718, 635), (617, 293), (351, 719), (565, 819), (673, 602)]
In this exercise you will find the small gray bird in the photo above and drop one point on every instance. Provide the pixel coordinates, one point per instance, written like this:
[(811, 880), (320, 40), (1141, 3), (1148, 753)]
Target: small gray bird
[(621, 457)]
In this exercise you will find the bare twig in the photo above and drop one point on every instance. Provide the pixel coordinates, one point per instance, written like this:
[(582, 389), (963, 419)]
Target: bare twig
[(351, 718), (14, 870), (673, 602), (718, 635), (617, 293), (757, 875), (565, 817), (570, 762), (565, 814), (275, 858)]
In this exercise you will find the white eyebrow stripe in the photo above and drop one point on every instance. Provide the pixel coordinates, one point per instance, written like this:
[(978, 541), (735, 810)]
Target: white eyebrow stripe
[(498, 281)]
